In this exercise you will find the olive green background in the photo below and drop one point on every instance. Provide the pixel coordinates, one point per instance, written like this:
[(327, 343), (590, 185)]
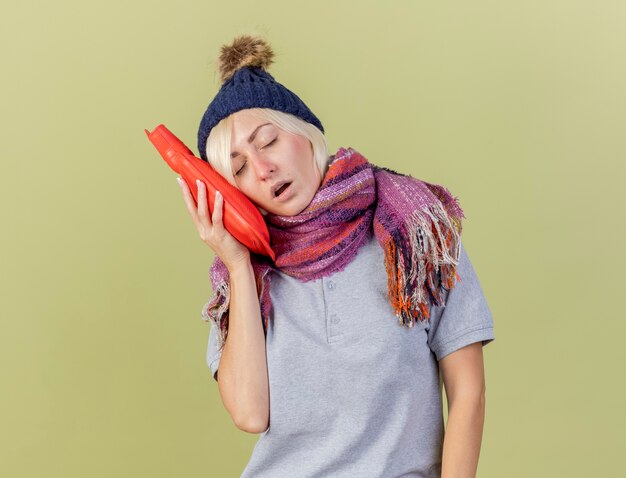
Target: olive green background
[(519, 108)]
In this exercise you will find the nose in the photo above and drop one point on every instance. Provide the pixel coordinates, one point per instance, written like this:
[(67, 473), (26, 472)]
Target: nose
[(263, 166)]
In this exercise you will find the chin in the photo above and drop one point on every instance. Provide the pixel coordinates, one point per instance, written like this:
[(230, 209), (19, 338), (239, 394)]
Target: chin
[(289, 209), (295, 210)]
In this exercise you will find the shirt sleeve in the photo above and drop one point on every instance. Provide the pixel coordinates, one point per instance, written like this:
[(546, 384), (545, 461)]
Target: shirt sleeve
[(465, 317), (213, 355)]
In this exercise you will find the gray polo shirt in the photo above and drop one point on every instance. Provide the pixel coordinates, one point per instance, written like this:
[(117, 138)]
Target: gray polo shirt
[(352, 392)]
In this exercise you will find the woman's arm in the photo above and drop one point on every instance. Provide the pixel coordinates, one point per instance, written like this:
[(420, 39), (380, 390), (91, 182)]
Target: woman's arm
[(464, 380), (242, 377)]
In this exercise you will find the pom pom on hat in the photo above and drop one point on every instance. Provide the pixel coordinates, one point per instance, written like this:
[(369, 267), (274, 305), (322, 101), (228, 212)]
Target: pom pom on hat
[(246, 50)]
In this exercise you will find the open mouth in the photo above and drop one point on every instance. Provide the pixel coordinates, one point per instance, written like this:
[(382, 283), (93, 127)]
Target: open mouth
[(281, 189)]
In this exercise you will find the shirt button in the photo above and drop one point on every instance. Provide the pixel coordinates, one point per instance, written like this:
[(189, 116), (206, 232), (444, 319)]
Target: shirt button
[(334, 319), (331, 285)]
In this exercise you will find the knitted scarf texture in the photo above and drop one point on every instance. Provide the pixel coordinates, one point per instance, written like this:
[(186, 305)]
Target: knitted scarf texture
[(418, 225)]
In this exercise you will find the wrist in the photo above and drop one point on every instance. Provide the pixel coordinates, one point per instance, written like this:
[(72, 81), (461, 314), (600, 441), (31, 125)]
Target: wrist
[(240, 267)]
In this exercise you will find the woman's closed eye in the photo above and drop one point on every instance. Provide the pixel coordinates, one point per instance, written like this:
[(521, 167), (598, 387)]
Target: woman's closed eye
[(244, 164)]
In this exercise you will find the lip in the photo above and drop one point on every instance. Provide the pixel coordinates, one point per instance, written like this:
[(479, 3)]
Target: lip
[(286, 194), (276, 186)]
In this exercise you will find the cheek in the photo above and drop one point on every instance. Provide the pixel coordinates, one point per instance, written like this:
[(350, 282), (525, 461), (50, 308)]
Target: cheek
[(248, 190)]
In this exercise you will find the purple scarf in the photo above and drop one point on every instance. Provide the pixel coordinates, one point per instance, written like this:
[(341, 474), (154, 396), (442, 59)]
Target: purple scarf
[(418, 225)]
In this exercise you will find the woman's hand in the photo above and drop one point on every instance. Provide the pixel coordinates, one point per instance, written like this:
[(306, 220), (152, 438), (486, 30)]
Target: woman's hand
[(212, 231)]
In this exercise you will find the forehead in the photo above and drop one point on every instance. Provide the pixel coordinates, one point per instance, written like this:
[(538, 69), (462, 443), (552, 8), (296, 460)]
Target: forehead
[(244, 122), (245, 129)]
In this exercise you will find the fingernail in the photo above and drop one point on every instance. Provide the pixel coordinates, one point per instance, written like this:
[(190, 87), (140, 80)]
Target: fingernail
[(179, 181), (218, 194)]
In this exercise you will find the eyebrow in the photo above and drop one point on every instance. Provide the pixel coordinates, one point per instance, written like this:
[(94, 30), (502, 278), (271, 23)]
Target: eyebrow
[(250, 139)]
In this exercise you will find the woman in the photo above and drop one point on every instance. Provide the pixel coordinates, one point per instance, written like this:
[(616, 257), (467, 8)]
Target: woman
[(333, 351)]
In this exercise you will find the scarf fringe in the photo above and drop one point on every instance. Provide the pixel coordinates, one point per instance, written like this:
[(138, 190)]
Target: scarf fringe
[(216, 309), (421, 260)]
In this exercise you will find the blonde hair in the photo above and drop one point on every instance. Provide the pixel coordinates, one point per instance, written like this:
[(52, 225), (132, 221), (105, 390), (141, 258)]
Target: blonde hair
[(218, 142)]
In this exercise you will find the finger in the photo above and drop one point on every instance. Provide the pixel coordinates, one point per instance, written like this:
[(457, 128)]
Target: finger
[(217, 208), (189, 202), (202, 202)]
